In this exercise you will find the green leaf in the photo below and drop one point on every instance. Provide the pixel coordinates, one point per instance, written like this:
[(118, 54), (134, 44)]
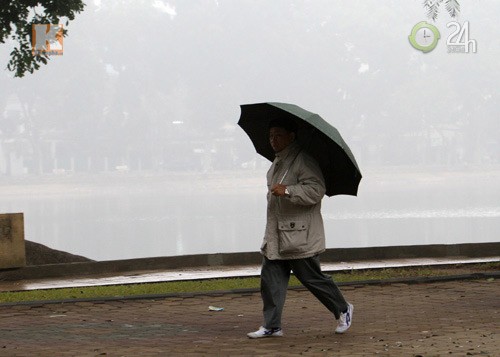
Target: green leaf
[(15, 26)]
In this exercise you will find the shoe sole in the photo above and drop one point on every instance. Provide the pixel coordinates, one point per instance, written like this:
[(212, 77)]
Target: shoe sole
[(264, 336)]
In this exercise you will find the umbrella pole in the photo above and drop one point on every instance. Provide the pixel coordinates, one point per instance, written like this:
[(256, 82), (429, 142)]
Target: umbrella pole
[(286, 172)]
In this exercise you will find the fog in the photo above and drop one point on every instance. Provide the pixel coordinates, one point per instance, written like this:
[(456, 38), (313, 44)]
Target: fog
[(127, 146)]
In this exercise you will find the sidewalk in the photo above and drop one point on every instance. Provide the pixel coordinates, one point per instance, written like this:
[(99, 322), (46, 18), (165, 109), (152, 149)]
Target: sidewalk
[(136, 277), (456, 318)]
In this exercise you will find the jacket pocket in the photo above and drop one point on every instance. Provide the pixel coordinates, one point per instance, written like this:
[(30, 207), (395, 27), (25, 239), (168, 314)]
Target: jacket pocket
[(292, 236)]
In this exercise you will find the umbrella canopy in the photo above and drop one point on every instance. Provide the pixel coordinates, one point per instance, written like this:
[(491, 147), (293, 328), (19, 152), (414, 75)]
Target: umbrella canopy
[(316, 137)]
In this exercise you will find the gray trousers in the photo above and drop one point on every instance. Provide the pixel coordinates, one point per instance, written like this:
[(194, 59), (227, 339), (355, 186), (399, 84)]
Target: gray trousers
[(274, 279)]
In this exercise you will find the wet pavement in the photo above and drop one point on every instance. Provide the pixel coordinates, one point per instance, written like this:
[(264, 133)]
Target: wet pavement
[(221, 272), (455, 318)]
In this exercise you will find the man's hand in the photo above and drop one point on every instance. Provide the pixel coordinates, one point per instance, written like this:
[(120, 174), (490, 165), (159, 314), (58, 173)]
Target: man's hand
[(278, 190)]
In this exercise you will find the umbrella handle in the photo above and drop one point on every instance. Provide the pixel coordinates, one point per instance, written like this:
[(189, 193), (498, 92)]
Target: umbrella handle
[(288, 169), (284, 175)]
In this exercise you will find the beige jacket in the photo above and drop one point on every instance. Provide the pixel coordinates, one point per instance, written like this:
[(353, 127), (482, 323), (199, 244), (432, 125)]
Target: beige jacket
[(294, 226)]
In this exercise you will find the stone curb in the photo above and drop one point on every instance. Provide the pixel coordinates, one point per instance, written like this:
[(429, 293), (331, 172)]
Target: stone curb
[(410, 280), (332, 255)]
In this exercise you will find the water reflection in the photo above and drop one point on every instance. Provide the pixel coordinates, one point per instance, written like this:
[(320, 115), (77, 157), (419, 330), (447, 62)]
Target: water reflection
[(119, 217)]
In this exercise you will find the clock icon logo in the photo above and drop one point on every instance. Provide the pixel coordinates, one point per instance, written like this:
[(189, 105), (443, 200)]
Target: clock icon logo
[(424, 36)]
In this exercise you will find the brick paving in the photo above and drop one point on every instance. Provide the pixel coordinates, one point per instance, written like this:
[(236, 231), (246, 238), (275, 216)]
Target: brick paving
[(458, 318)]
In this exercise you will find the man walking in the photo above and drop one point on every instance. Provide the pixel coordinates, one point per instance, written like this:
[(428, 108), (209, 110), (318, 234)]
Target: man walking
[(294, 235)]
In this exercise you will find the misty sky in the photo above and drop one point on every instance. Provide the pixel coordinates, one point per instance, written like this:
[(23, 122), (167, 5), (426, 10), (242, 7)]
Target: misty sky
[(138, 76)]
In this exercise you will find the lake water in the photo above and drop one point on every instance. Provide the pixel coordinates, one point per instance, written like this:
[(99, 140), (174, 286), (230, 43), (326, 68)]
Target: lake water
[(121, 216)]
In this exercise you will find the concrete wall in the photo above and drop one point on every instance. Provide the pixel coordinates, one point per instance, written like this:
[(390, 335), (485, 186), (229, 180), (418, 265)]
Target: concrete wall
[(12, 252), (89, 269)]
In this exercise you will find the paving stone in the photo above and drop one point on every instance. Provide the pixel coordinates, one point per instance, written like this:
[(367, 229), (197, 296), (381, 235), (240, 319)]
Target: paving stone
[(428, 319)]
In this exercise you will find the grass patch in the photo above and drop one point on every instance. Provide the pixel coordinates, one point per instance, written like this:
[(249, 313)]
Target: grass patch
[(130, 289), (208, 285)]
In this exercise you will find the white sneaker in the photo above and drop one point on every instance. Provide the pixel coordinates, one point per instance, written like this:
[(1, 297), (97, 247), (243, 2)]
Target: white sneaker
[(345, 320), (264, 332)]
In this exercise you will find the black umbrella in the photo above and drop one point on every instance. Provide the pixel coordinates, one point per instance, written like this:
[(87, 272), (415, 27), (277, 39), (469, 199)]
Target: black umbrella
[(316, 137)]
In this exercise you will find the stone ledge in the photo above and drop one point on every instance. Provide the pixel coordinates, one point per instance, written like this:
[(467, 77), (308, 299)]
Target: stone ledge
[(88, 269)]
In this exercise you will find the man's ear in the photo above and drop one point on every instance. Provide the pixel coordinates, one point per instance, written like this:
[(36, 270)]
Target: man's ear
[(293, 136)]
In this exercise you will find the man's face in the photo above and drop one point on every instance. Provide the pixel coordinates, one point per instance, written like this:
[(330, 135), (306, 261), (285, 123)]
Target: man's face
[(280, 138)]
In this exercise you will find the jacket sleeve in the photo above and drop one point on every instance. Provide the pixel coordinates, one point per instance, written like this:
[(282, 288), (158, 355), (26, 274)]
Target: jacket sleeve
[(310, 187)]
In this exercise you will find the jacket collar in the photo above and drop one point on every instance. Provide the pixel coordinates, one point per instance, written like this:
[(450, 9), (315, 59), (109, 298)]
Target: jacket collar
[(283, 154)]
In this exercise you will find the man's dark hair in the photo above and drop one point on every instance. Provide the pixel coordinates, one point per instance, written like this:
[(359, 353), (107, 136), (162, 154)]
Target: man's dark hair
[(285, 123)]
